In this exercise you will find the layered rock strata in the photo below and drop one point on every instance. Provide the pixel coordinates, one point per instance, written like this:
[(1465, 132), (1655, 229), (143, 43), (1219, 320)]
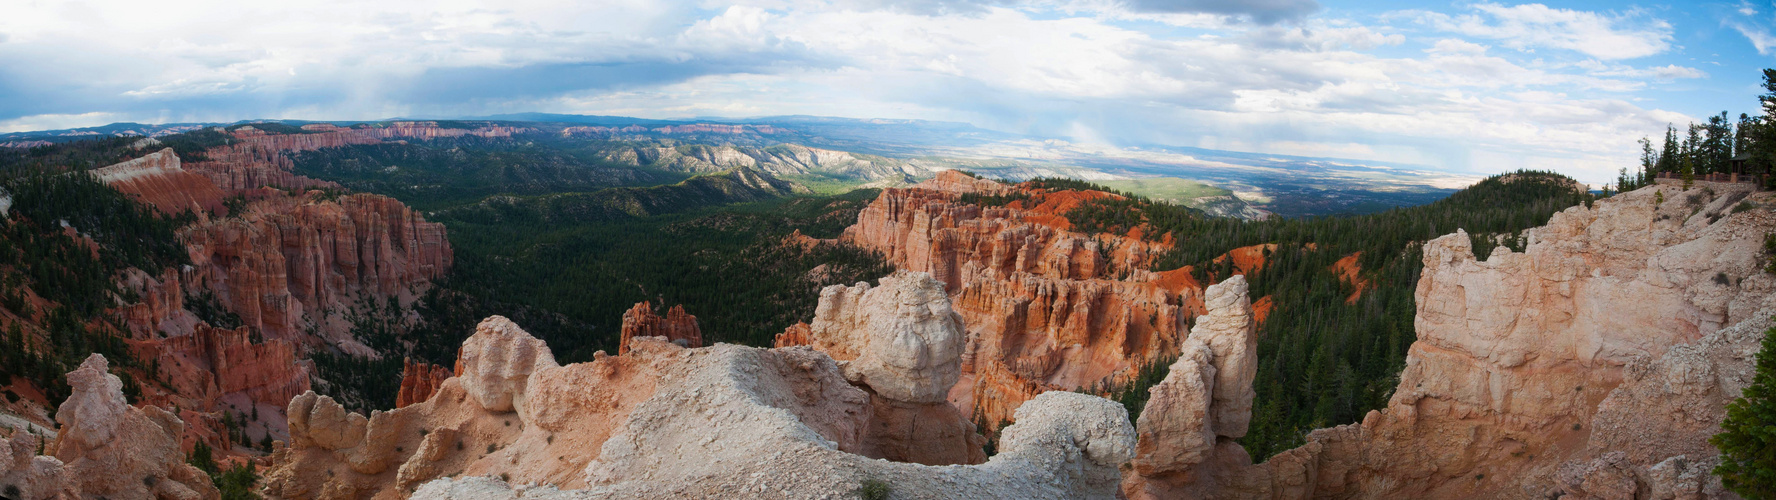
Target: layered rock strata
[(104, 448), (1045, 308), (1591, 365), (159, 180), (677, 326), (667, 422), (291, 263)]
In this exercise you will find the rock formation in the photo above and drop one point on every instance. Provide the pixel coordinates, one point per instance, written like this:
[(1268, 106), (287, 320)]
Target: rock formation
[(209, 363), (419, 381), (901, 342), (1591, 365), (1204, 403), (289, 263), (104, 448), (677, 326), (158, 179), (1045, 308), (256, 159), (664, 421)]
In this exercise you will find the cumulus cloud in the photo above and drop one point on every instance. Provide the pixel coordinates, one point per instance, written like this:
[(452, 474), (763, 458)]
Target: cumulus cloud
[(1530, 26)]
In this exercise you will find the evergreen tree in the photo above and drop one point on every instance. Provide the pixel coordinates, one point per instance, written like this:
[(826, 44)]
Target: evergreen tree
[(1649, 163), (1747, 441), (1717, 144), (1668, 155)]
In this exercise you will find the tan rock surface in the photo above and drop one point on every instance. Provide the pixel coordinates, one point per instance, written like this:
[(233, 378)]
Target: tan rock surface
[(901, 338), (110, 449), (1592, 365), (667, 422)]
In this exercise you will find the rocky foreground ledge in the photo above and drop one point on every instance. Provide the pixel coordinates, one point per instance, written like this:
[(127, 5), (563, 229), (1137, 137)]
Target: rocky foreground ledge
[(664, 421)]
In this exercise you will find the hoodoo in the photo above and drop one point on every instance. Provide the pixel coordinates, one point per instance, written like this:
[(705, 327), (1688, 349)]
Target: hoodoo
[(103, 448), (1046, 308)]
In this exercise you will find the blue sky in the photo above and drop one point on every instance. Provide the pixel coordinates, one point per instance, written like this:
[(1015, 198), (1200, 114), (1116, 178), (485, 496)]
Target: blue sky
[(1462, 86)]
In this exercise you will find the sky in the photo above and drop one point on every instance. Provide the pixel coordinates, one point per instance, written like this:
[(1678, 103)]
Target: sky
[(1471, 87)]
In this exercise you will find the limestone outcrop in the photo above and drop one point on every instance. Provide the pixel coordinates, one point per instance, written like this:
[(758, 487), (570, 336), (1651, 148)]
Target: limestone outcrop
[(1592, 365), (104, 448), (677, 326), (1045, 308), (664, 421)]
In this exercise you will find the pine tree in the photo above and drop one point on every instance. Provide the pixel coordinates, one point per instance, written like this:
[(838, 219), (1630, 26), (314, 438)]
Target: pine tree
[(1747, 441), (1668, 154), (1649, 163)]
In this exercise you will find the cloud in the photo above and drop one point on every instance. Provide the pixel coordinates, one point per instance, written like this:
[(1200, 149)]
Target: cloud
[(1265, 75), (1259, 11), (1530, 26)]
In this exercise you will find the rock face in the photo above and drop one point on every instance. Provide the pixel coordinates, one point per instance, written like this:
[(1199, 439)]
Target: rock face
[(210, 363), (1045, 308), (106, 448), (677, 326), (902, 343), (1204, 403), (901, 339), (1591, 365), (158, 179), (289, 263), (667, 422), (419, 381)]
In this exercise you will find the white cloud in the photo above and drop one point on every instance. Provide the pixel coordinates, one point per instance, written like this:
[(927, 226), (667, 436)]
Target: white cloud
[(1092, 70), (1530, 26), (62, 121)]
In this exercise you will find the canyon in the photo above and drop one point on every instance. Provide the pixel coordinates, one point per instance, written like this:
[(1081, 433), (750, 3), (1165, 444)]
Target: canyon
[(1045, 308), (294, 266), (1593, 363)]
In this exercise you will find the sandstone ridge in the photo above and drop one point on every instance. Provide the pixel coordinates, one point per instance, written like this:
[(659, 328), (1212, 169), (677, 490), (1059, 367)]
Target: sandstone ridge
[(664, 421)]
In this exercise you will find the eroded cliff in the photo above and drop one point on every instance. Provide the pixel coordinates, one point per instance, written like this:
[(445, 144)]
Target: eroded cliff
[(1045, 308), (1592, 365)]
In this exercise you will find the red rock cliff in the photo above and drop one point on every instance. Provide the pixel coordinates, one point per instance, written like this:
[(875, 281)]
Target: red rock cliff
[(677, 325), (419, 381), (159, 180), (1045, 308), (289, 263)]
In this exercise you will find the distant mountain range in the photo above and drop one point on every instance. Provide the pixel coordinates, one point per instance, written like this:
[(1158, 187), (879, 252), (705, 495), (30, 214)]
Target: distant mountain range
[(1285, 184)]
